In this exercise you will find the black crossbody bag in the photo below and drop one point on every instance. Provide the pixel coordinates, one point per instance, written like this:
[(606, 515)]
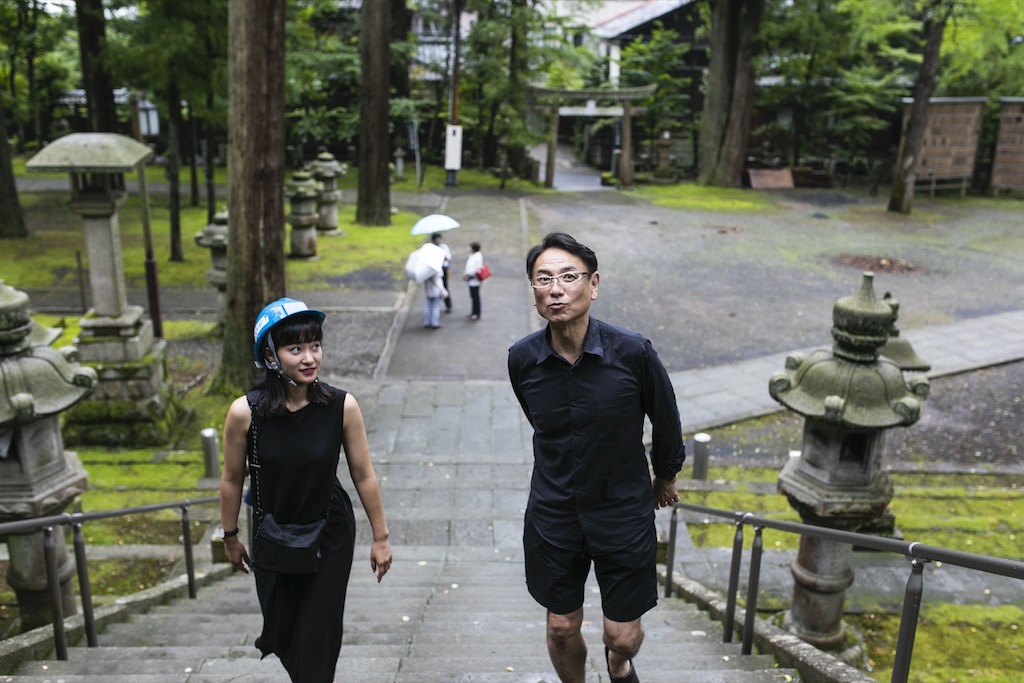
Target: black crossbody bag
[(276, 547)]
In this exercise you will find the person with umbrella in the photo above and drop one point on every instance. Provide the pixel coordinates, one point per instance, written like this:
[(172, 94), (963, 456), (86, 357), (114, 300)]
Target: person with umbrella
[(429, 265)]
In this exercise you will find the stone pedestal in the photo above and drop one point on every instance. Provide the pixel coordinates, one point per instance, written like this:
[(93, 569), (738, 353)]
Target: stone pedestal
[(215, 238), (303, 193), (27, 576), (326, 170), (822, 574)]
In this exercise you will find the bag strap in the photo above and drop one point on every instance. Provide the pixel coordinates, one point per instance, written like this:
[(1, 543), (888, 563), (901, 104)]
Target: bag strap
[(254, 463)]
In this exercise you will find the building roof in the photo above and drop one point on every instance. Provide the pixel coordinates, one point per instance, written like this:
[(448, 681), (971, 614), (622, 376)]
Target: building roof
[(623, 16)]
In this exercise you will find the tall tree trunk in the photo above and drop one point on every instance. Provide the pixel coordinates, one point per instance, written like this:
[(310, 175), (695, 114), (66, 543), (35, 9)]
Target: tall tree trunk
[(456, 62), (173, 168), (401, 27), (99, 88), (209, 170), (373, 203), (255, 272), (518, 68), (193, 156), (725, 126), (30, 73), (12, 220), (901, 195)]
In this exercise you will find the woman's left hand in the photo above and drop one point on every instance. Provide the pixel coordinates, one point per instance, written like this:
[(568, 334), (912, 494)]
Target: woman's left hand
[(380, 558)]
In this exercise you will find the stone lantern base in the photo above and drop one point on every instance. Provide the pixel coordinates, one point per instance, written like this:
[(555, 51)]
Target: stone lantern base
[(133, 404)]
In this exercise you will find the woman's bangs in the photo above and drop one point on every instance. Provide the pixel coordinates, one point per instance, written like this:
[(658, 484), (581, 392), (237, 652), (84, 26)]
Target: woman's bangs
[(301, 330)]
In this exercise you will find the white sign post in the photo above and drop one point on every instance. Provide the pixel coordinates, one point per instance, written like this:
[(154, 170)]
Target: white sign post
[(452, 153)]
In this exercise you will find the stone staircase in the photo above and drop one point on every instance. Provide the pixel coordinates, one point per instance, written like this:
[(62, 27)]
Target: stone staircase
[(442, 614)]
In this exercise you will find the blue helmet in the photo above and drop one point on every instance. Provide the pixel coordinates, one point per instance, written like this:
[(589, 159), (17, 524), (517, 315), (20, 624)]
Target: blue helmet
[(271, 315)]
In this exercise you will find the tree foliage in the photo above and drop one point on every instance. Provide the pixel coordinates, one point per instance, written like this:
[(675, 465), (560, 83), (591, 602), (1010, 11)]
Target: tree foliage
[(323, 86), (661, 60)]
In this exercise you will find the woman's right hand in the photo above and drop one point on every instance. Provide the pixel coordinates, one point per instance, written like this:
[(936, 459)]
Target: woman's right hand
[(236, 554)]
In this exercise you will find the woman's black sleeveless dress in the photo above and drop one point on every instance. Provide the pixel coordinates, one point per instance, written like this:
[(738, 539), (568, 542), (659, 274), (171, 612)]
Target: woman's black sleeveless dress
[(303, 615)]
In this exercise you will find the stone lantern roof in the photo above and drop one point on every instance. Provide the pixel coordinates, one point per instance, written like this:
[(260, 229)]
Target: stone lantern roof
[(326, 166), (90, 153), (852, 385), (303, 186), (39, 381)]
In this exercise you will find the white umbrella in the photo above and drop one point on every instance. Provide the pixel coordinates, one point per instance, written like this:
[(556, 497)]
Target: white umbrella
[(425, 262), (435, 222)]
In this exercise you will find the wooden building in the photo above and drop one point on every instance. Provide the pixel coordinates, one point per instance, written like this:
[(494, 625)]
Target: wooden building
[(1008, 167)]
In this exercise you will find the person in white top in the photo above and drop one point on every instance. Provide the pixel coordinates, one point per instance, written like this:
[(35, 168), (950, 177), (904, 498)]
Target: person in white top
[(473, 264)]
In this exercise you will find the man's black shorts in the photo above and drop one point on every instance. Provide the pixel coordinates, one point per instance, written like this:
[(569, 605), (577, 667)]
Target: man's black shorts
[(628, 578)]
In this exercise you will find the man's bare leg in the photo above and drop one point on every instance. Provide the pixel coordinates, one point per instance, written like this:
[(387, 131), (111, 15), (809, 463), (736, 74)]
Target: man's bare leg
[(623, 640), (566, 647)]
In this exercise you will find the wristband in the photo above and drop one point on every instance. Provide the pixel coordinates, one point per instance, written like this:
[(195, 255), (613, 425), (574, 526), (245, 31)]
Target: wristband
[(228, 534)]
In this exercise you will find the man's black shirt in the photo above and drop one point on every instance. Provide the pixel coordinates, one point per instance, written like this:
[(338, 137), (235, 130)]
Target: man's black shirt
[(591, 483)]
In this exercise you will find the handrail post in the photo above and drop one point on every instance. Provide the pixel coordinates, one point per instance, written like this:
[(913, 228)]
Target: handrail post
[(186, 535), (670, 551), (753, 585), (60, 642), (734, 582), (908, 621), (84, 587)]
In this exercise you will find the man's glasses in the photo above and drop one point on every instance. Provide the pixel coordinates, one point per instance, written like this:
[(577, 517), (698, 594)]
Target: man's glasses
[(570, 278)]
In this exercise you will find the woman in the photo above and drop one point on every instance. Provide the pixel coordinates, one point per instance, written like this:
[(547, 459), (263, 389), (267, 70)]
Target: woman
[(295, 480), (473, 265)]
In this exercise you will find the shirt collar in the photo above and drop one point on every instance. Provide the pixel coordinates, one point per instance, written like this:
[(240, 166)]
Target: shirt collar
[(591, 342)]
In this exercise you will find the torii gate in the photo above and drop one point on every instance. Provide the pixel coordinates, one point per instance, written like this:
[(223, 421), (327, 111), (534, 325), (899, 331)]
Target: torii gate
[(623, 97)]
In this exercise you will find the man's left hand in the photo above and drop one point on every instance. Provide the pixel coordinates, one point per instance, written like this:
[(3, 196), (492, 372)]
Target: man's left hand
[(665, 493)]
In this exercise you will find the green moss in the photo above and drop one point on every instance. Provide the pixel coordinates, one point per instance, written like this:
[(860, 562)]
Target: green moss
[(693, 196), (111, 578), (982, 643)]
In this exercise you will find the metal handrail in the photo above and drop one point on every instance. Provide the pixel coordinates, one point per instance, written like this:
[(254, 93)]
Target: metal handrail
[(75, 521), (918, 554)]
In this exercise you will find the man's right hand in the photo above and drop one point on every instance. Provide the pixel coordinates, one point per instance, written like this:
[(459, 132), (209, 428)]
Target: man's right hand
[(665, 493)]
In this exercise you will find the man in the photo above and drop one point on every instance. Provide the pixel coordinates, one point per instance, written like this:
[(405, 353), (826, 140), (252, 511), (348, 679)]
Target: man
[(585, 386)]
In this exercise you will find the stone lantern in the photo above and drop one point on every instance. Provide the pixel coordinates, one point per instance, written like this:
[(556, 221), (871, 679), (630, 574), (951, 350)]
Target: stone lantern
[(848, 396), (303, 192), (215, 238), (38, 477), (663, 170), (399, 155), (897, 348), (133, 403), (326, 169)]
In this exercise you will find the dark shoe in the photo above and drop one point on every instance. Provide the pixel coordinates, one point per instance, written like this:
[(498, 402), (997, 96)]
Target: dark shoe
[(628, 678)]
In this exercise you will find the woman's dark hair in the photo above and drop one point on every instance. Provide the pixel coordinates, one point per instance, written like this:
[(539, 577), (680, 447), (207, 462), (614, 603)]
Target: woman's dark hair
[(474, 246), (565, 242), (296, 329)]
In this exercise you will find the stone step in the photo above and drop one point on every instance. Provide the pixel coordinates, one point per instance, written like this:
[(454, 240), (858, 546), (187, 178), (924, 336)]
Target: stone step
[(466, 618)]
